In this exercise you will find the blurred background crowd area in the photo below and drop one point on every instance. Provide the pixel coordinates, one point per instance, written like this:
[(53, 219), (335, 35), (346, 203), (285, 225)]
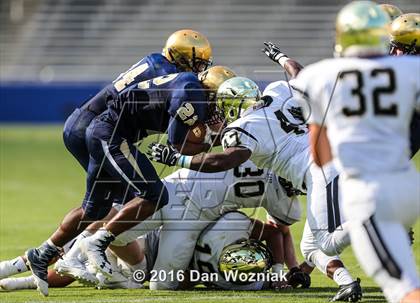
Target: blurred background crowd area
[(82, 44)]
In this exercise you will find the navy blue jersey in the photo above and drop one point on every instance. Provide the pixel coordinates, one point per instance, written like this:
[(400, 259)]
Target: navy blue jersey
[(170, 103), (151, 66)]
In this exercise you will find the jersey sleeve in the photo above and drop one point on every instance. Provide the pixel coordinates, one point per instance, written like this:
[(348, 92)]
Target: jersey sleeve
[(308, 92), (141, 70), (187, 107), (189, 104), (238, 136), (280, 91), (151, 66)]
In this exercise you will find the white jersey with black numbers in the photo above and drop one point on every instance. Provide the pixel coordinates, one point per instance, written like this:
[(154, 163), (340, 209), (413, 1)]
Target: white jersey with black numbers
[(245, 186), (232, 228), (274, 141), (366, 105)]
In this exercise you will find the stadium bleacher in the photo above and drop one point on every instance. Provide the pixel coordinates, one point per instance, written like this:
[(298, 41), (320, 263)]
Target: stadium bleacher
[(94, 40), (55, 53)]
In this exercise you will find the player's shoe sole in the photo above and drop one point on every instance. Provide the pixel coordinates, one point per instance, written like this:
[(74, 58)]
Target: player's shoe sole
[(75, 271), (39, 271)]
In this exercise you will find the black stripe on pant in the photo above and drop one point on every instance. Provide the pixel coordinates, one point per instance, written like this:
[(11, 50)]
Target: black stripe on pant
[(333, 208), (382, 252)]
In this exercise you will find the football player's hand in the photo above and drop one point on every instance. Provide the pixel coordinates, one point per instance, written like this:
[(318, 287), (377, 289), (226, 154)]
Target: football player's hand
[(296, 277), (163, 154), (274, 53)]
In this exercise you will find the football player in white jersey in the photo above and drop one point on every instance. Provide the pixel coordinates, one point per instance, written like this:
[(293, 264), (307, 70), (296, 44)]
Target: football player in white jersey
[(218, 250), (272, 136), (198, 199), (323, 215), (361, 105), (219, 238)]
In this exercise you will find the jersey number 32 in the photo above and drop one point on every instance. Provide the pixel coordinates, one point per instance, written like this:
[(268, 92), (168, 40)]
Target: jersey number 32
[(357, 92)]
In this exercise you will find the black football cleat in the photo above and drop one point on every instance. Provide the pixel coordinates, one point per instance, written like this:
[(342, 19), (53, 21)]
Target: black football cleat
[(350, 293), (38, 260)]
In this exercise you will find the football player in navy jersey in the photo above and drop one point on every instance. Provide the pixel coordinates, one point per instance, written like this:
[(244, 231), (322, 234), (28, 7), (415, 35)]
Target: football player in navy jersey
[(185, 50), (174, 103)]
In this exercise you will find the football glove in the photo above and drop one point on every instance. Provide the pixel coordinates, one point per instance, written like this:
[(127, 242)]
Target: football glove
[(296, 277), (163, 154), (274, 53)]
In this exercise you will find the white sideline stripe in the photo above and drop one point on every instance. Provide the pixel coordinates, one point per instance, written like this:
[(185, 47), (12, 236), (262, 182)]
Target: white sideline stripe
[(119, 170)]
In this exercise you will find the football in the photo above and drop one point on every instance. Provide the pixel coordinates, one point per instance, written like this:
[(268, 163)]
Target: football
[(197, 133)]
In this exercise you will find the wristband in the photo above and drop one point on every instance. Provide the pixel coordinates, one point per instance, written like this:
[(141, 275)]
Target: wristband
[(277, 268), (184, 161), (282, 60)]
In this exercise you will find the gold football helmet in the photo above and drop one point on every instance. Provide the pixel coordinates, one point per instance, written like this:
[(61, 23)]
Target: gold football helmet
[(392, 10), (245, 257), (362, 30), (405, 34), (213, 77), (189, 50)]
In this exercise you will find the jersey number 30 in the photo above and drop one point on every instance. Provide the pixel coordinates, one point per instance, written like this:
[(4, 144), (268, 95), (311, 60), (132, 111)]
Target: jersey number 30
[(378, 109)]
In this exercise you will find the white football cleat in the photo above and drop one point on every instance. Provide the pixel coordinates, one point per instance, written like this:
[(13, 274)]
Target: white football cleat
[(73, 268), (10, 284), (94, 249)]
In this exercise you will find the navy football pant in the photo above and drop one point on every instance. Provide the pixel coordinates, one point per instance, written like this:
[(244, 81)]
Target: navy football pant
[(117, 170), (74, 135)]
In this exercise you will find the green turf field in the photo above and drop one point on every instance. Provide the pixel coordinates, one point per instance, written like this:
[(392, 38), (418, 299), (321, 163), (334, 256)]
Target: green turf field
[(40, 182)]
